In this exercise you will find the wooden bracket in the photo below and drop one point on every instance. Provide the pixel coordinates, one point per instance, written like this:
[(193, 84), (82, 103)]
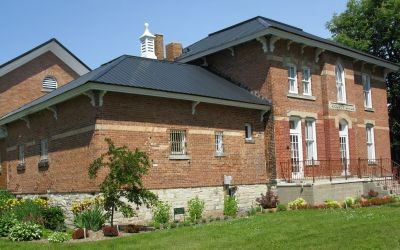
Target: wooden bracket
[(54, 110), (318, 52), (194, 105), (90, 94), (26, 120), (101, 97), (263, 42)]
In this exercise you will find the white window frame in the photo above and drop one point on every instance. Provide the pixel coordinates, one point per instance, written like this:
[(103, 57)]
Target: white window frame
[(306, 71), (21, 153), (340, 84), (344, 133), (366, 80), (297, 167), (310, 140), (248, 132), (44, 149), (370, 140), (292, 80), (178, 142), (219, 143)]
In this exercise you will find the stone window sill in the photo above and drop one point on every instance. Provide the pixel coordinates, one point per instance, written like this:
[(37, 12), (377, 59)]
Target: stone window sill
[(249, 141), (303, 97), (220, 155), (369, 109), (179, 157)]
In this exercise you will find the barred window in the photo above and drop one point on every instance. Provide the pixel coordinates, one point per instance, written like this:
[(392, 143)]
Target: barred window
[(44, 149), (178, 142), (21, 153), (219, 143)]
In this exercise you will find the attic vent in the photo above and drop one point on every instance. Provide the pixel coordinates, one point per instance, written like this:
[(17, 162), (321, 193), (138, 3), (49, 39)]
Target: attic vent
[(49, 83)]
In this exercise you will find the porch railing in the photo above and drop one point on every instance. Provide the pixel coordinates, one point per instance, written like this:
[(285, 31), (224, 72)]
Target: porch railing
[(312, 170)]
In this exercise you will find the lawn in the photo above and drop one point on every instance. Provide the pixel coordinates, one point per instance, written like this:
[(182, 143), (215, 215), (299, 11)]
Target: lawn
[(363, 228)]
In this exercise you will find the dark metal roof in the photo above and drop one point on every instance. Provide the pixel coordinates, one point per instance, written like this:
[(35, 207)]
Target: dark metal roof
[(251, 27), (41, 45), (153, 74)]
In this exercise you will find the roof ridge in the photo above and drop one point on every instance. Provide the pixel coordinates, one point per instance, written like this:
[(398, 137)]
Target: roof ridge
[(233, 26)]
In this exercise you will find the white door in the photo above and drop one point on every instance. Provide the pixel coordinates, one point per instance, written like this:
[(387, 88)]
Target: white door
[(296, 149), (344, 145)]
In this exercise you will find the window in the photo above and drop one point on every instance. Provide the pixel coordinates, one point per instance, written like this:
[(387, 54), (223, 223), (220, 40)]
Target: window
[(248, 132), (219, 143), (306, 81), (49, 83), (344, 142), (292, 78), (366, 80), (44, 149), (340, 84), (21, 153), (178, 142), (370, 142), (311, 144), (296, 145)]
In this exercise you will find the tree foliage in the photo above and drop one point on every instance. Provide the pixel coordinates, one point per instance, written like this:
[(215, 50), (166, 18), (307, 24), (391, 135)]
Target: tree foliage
[(373, 26), (124, 179)]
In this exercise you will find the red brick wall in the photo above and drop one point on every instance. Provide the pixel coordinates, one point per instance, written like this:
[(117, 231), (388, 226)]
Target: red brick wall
[(24, 84)]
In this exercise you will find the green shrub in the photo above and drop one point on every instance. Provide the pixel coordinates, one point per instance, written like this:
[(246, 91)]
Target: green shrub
[(30, 211), (92, 219), (297, 204), (332, 204), (161, 212), (252, 211), (230, 206), (54, 218), (25, 231), (195, 209), (281, 208), (7, 221), (349, 201), (4, 197), (59, 237)]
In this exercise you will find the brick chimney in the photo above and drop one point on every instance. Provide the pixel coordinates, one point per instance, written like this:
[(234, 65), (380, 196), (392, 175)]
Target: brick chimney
[(173, 50), (159, 46)]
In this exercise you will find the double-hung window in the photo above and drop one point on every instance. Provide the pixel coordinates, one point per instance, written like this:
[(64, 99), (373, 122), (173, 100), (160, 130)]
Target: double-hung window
[(248, 130), (311, 144), (219, 143), (44, 149), (178, 142), (21, 153), (340, 84), (292, 79), (370, 143), (366, 80), (306, 81)]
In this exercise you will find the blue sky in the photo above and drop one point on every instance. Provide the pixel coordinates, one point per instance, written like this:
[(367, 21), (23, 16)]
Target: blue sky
[(98, 30)]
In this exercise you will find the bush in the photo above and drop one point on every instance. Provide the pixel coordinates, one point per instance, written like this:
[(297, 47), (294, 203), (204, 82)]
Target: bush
[(161, 212), (110, 231), (269, 200), (349, 201), (195, 209), (29, 210), (230, 206), (132, 228), (58, 237), (332, 204), (92, 219), (252, 211), (54, 218), (79, 234), (299, 203), (79, 207), (25, 231), (372, 194), (4, 197), (6, 223), (281, 208)]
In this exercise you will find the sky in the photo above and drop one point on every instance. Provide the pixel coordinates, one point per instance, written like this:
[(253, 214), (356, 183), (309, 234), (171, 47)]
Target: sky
[(98, 31)]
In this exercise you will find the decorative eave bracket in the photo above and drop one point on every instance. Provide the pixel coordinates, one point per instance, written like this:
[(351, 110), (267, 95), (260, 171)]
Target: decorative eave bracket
[(91, 96), (263, 42), (54, 110), (194, 105), (289, 42), (3, 132), (302, 48), (101, 97), (232, 51), (26, 120), (262, 114), (318, 52)]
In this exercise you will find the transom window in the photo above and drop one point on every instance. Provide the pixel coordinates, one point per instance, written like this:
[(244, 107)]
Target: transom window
[(366, 80), (292, 79), (306, 81), (248, 130), (44, 149), (340, 84), (311, 145), (370, 142), (49, 83), (178, 142), (219, 143), (21, 153)]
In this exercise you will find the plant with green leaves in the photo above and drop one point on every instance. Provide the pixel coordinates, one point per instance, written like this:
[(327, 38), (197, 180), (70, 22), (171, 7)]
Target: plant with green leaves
[(230, 206), (124, 179), (92, 218), (195, 209), (349, 202), (332, 204), (54, 218), (7, 221), (161, 212), (297, 204), (59, 237), (25, 231)]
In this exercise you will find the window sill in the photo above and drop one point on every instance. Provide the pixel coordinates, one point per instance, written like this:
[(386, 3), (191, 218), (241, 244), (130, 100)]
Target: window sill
[(249, 141), (369, 109), (179, 157), (303, 97), (220, 155), (309, 163)]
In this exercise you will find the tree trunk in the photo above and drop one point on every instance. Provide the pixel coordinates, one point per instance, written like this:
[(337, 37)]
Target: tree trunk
[(112, 216)]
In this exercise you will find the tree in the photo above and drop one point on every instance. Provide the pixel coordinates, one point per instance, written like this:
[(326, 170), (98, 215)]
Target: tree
[(124, 179), (373, 26)]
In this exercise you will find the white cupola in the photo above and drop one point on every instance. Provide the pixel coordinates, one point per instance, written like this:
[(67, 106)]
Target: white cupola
[(147, 43)]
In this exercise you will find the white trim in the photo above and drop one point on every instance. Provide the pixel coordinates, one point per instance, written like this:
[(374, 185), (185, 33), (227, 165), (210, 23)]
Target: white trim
[(313, 138), (340, 85), (293, 79), (56, 49), (248, 129), (308, 69), (367, 92)]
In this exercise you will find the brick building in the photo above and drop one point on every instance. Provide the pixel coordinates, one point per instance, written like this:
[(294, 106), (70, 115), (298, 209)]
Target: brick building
[(257, 103)]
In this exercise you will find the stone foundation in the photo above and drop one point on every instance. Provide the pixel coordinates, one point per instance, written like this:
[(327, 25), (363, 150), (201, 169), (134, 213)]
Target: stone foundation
[(212, 196)]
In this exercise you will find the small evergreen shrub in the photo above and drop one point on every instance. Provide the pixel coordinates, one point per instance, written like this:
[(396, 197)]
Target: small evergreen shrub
[(299, 203), (195, 209), (161, 212), (269, 200), (58, 237), (92, 218), (54, 218), (230, 206), (25, 231), (281, 208), (110, 231)]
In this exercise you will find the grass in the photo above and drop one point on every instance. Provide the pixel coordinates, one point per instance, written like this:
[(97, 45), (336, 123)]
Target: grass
[(363, 228)]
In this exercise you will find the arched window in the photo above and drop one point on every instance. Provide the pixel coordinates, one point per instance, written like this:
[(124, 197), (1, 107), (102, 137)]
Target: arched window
[(340, 84), (49, 83)]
